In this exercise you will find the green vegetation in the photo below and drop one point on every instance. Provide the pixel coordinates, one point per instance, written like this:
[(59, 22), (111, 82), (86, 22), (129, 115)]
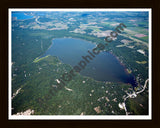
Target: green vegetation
[(39, 59), (138, 105)]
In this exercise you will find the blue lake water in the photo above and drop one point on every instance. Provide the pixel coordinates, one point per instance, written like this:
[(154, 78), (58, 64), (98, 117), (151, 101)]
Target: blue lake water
[(21, 15), (102, 67)]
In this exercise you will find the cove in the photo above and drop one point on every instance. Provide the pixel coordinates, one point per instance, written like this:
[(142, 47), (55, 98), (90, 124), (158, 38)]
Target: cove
[(103, 67)]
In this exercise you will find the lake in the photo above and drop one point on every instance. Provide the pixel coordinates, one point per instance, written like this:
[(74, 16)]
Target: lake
[(21, 15), (103, 67)]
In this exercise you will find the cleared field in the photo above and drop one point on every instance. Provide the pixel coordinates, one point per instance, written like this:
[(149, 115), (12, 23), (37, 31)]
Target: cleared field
[(141, 62)]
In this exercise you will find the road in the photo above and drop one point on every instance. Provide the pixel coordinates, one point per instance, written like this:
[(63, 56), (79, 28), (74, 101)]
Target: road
[(143, 87), (134, 95)]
